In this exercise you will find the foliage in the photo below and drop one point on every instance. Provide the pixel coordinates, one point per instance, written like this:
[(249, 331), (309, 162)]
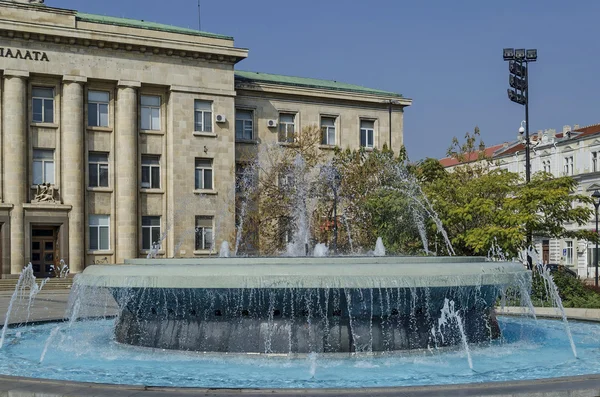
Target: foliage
[(572, 291), (481, 205)]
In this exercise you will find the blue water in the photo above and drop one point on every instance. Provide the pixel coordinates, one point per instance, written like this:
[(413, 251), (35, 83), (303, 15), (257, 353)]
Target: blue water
[(86, 352)]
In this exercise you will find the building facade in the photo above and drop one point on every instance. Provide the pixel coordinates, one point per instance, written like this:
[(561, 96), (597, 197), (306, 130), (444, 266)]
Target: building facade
[(120, 138), (575, 152)]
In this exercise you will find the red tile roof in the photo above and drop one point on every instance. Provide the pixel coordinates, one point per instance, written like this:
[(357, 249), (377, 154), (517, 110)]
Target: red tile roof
[(515, 147), (473, 156)]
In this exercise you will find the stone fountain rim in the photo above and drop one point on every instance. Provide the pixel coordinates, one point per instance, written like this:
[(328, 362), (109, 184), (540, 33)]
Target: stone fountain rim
[(559, 386), (321, 272)]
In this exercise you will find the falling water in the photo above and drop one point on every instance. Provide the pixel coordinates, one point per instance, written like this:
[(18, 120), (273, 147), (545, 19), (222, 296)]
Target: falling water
[(448, 312), (379, 248), (224, 250), (26, 281), (47, 344), (320, 250)]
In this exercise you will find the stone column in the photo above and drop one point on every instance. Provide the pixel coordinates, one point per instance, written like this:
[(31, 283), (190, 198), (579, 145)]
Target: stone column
[(15, 153), (126, 174), (72, 189)]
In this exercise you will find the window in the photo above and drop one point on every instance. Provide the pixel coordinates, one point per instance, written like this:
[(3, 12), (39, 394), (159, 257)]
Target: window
[(99, 232), (150, 231), (98, 168), (204, 174), (43, 166), (595, 162), (569, 252), (204, 233), (287, 180), (150, 112), (151, 172), (546, 166), (287, 127), (328, 129), (98, 108), (202, 116), (367, 131), (244, 121), (568, 169), (43, 105)]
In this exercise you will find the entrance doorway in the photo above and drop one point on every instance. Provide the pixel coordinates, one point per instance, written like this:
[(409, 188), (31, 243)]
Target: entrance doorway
[(44, 250), (546, 251)]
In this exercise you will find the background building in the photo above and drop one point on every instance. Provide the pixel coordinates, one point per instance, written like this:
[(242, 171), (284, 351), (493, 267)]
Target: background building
[(120, 137), (575, 152)]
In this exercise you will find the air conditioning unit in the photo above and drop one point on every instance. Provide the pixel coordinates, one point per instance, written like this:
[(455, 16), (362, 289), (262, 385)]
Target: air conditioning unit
[(271, 123), (220, 118)]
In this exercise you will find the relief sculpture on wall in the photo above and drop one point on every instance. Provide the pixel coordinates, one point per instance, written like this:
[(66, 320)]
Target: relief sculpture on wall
[(44, 194)]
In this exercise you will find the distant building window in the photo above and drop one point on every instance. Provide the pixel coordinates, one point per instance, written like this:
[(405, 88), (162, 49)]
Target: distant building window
[(43, 105), (202, 116), (204, 233), (98, 169), (546, 166), (204, 174), (328, 130), (150, 231), (98, 108), (43, 166), (568, 169), (569, 252), (595, 162), (151, 172), (244, 121), (99, 232), (150, 112), (367, 132), (287, 127)]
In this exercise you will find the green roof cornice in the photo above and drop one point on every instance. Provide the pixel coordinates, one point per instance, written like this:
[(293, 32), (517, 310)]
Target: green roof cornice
[(134, 23), (309, 83)]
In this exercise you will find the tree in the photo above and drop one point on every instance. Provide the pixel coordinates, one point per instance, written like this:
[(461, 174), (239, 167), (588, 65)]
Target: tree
[(481, 205)]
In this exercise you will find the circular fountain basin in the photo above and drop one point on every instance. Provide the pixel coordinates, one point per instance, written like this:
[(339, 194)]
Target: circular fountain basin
[(86, 351), (304, 305)]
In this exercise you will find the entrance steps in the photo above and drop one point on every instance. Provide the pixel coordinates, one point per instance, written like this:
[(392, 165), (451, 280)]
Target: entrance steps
[(8, 284)]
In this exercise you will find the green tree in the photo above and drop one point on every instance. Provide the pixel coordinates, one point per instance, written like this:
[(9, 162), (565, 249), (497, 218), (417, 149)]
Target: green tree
[(481, 205)]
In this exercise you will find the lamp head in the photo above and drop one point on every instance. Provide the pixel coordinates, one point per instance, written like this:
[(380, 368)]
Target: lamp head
[(596, 194)]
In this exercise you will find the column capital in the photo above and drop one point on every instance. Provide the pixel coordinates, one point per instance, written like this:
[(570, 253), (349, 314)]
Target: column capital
[(67, 78), (15, 73), (129, 84)]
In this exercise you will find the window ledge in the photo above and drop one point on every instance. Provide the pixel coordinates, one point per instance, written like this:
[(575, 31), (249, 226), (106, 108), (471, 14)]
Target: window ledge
[(146, 252), (152, 191), (205, 134), (100, 252), (100, 189), (205, 191), (44, 125), (152, 132), (247, 141), (368, 149), (327, 147), (99, 129), (56, 189), (203, 252)]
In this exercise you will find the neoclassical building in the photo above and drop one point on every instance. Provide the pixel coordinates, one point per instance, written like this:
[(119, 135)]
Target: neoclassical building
[(120, 137)]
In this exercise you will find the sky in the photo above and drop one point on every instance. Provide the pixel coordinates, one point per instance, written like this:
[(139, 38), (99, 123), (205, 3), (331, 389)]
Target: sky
[(444, 55)]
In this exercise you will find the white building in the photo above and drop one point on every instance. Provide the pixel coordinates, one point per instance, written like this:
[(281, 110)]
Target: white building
[(574, 152)]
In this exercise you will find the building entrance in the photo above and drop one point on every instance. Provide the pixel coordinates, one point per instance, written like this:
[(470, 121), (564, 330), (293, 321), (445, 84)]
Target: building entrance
[(44, 250)]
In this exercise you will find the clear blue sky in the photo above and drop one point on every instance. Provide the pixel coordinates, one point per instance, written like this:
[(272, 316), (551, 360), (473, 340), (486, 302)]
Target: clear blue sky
[(445, 55)]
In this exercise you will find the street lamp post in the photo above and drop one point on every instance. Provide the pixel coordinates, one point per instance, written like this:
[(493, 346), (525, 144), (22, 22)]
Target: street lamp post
[(518, 67), (596, 196), (519, 81)]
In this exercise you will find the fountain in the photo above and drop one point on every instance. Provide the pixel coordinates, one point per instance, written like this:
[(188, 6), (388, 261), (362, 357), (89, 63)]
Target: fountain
[(301, 305)]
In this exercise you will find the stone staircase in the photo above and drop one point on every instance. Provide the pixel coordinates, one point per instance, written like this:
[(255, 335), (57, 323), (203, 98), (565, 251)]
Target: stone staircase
[(54, 284)]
